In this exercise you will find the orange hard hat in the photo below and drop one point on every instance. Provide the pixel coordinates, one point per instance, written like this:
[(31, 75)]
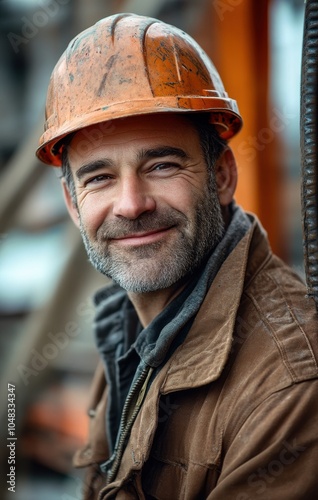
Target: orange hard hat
[(129, 65)]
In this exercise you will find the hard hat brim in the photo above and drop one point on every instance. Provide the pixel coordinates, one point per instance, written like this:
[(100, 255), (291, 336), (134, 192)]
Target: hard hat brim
[(224, 115)]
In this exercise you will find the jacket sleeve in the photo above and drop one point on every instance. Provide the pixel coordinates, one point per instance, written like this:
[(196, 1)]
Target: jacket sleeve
[(274, 454)]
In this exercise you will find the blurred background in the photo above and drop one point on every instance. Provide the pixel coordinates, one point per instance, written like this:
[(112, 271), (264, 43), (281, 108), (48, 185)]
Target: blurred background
[(46, 284)]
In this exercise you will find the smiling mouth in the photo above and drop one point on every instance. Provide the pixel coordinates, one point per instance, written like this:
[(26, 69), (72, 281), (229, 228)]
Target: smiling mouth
[(143, 238)]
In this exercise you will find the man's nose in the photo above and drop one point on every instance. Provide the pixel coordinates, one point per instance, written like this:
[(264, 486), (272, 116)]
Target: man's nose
[(133, 198)]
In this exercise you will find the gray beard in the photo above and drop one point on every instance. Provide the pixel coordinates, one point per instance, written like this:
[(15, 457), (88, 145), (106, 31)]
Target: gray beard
[(158, 265)]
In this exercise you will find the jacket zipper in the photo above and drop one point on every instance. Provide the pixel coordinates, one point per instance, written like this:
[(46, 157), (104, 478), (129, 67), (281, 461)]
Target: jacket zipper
[(130, 411)]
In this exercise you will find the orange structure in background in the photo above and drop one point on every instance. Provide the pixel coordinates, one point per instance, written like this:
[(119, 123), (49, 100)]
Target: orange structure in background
[(235, 33)]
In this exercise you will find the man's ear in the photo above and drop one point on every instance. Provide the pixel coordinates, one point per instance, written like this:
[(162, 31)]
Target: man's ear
[(226, 177), (71, 207)]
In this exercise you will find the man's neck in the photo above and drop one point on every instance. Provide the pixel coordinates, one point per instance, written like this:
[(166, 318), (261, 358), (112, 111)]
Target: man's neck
[(149, 305)]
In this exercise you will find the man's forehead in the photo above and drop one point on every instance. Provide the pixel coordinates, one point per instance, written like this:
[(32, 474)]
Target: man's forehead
[(165, 128), (149, 122)]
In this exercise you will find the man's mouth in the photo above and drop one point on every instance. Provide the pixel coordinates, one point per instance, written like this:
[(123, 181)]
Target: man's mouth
[(142, 238)]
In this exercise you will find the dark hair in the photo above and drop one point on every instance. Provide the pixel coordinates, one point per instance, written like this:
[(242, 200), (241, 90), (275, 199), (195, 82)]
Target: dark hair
[(66, 169), (212, 147), (211, 143)]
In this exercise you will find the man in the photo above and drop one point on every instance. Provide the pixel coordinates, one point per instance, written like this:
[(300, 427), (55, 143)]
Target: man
[(208, 383)]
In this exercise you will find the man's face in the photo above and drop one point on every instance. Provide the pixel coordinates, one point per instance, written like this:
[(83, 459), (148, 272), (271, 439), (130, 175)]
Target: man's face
[(148, 209)]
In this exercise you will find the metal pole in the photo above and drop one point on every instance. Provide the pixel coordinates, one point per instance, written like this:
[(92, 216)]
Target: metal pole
[(308, 132)]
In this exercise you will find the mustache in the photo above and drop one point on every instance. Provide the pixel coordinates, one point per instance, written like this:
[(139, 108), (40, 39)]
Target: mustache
[(121, 227)]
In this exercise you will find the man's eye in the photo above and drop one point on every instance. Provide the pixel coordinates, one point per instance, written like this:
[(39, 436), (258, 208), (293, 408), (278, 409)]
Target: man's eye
[(97, 179), (161, 167)]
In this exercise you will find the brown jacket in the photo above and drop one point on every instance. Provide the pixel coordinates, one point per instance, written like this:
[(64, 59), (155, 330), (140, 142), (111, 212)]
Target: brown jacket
[(233, 415)]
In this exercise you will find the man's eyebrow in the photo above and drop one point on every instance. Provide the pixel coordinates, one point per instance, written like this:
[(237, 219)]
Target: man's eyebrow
[(161, 152), (144, 154), (92, 167)]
